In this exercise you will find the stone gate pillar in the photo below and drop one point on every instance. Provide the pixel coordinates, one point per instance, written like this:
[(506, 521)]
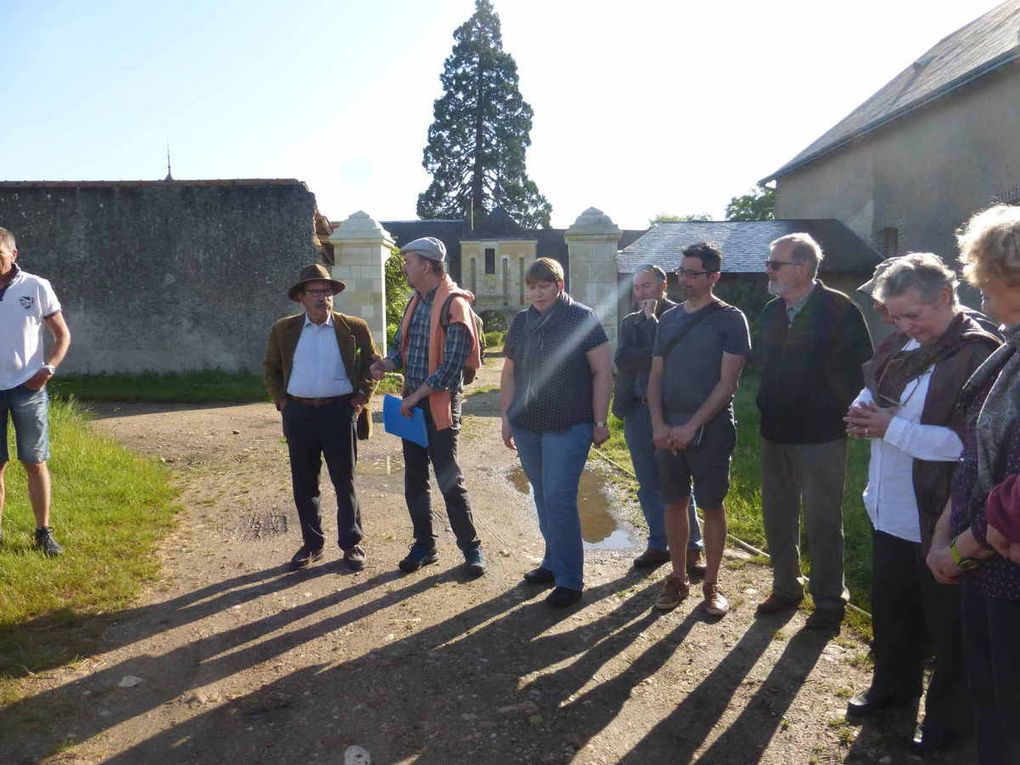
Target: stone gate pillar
[(361, 248), (592, 243)]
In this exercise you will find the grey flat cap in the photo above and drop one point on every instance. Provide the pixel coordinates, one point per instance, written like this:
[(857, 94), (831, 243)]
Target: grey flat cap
[(427, 247), (868, 288)]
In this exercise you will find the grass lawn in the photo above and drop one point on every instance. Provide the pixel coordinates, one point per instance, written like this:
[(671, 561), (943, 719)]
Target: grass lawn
[(743, 504), (109, 509), (185, 388)]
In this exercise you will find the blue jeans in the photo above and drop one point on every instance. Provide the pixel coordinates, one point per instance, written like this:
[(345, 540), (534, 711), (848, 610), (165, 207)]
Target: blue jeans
[(637, 430), (553, 462), (29, 411)]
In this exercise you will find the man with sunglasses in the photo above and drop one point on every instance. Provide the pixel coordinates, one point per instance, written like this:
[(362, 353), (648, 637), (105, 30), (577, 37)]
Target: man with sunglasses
[(812, 345), (317, 372)]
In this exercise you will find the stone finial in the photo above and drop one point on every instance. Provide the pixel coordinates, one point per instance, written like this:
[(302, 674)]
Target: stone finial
[(360, 226), (593, 222)]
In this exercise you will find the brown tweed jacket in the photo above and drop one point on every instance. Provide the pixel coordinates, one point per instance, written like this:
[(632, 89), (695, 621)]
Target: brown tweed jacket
[(357, 350)]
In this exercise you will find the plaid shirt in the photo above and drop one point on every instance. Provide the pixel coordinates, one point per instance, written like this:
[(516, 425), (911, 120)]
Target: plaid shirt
[(458, 344)]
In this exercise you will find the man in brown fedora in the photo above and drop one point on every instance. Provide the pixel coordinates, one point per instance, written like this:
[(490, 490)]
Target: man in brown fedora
[(317, 371)]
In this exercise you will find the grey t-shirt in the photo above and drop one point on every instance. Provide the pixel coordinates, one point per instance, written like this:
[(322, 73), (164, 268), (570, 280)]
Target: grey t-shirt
[(692, 369)]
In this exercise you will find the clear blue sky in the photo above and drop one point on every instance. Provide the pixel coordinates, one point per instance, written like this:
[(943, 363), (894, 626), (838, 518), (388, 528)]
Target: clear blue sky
[(640, 107)]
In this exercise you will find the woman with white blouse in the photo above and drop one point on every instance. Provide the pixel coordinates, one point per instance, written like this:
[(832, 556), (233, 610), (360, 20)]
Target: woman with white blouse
[(909, 411)]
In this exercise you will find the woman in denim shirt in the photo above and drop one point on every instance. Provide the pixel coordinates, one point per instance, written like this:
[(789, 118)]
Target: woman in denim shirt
[(554, 401)]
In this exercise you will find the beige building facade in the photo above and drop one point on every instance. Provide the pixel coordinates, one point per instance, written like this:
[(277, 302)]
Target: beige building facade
[(909, 186), (937, 143), (494, 269)]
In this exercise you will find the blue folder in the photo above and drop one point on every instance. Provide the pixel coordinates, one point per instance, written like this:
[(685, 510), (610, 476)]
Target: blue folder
[(397, 424)]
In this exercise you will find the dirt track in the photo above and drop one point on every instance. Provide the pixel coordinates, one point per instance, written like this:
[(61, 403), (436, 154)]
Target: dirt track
[(230, 658)]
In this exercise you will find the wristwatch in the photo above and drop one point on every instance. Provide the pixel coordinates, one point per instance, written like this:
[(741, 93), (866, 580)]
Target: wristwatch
[(50, 368), (965, 564)]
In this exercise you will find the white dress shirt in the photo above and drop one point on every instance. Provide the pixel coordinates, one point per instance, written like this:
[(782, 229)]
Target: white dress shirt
[(889, 496), (318, 370)]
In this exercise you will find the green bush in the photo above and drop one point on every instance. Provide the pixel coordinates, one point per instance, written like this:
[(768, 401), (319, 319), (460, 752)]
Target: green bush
[(494, 321), (495, 339)]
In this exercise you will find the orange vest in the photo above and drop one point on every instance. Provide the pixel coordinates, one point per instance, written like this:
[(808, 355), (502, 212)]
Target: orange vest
[(440, 400)]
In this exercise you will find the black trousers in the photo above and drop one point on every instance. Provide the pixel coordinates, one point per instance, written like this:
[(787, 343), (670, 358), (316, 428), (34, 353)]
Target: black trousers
[(442, 454), (914, 617), (314, 432), (992, 640)]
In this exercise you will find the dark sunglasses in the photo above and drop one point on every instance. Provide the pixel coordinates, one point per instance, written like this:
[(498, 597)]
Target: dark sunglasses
[(775, 265)]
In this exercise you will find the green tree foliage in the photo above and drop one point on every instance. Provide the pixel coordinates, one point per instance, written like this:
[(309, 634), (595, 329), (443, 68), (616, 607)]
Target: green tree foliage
[(397, 292), (757, 204), (480, 133), (667, 218)]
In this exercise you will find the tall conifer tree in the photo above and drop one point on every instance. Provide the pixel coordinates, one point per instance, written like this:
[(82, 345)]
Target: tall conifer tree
[(480, 133)]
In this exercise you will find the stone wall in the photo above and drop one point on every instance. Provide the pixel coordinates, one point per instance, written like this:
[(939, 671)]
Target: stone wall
[(164, 276)]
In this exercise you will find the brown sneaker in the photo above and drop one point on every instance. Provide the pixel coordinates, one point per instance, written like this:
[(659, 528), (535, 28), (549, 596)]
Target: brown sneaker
[(674, 590), (777, 604), (651, 558), (695, 568), (714, 604)]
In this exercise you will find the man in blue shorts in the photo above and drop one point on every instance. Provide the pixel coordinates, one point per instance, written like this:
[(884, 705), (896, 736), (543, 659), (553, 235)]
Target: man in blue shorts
[(700, 349), (27, 303)]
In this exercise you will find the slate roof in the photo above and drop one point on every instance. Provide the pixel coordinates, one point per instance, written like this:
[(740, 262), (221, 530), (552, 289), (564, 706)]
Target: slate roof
[(497, 225), (449, 232), (982, 46), (745, 245), (549, 241)]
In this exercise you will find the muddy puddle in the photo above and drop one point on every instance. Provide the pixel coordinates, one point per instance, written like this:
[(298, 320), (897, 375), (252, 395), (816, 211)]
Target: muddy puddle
[(600, 528)]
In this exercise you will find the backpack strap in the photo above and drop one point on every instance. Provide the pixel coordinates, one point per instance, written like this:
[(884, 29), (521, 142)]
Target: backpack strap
[(444, 316), (713, 307)]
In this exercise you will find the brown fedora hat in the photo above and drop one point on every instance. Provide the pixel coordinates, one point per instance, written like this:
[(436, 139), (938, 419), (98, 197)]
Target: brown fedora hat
[(316, 272)]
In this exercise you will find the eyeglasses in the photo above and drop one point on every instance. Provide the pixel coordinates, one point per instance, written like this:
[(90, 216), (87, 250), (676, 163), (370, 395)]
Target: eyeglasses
[(776, 265), (681, 272), (319, 293)]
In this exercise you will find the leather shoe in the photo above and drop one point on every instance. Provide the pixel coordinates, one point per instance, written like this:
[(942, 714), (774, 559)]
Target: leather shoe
[(651, 558), (929, 743), (304, 557), (777, 604), (825, 620), (695, 568), (867, 703), (539, 575), (561, 597)]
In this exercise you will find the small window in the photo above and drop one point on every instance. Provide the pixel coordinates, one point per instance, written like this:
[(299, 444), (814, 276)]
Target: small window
[(490, 260)]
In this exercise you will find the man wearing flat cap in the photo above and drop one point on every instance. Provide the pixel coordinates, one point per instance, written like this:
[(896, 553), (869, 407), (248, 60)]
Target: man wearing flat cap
[(317, 372), (436, 339)]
